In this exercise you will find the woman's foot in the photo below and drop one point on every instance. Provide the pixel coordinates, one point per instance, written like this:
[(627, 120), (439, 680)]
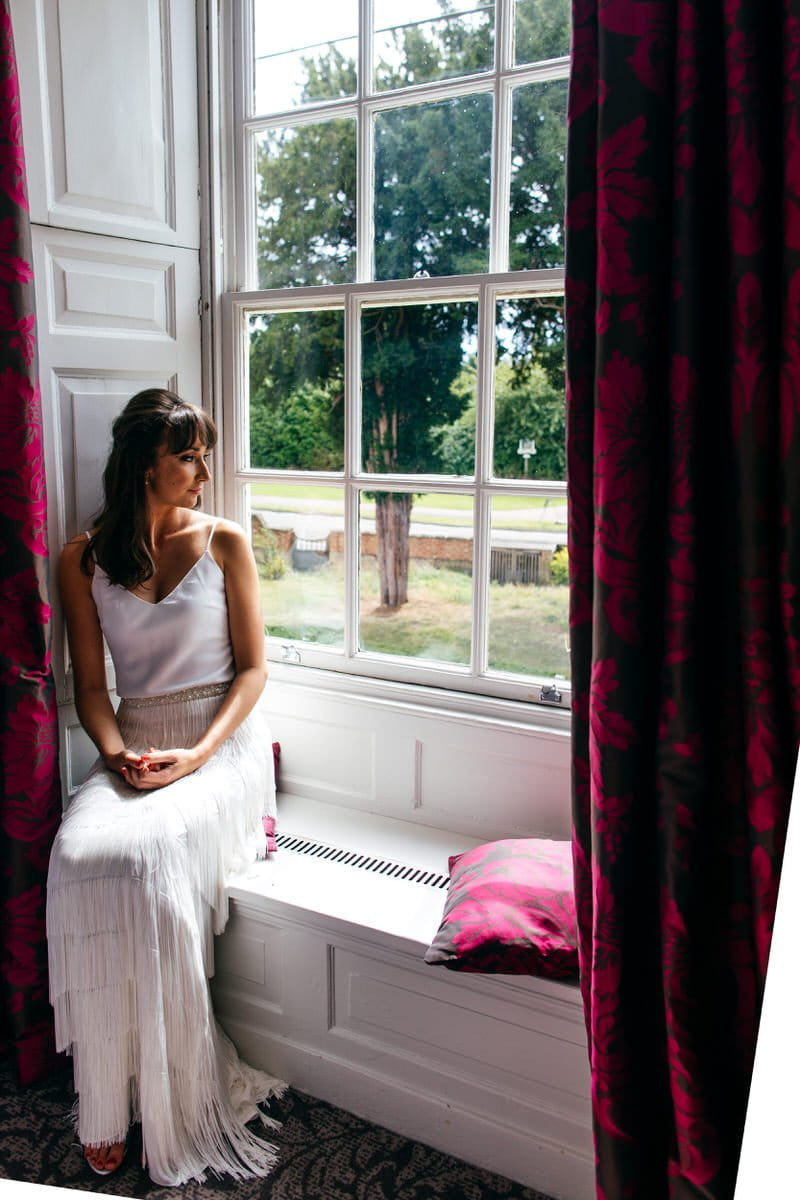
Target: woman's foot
[(104, 1160)]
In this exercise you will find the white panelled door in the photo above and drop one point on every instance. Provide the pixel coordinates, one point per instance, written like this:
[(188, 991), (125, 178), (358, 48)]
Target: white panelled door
[(109, 111)]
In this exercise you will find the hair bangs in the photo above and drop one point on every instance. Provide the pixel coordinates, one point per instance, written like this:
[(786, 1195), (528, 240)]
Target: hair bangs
[(188, 424)]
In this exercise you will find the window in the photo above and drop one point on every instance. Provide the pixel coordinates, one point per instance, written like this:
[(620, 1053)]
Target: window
[(396, 368)]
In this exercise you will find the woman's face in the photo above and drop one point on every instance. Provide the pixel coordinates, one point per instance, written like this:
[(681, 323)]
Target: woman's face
[(178, 479)]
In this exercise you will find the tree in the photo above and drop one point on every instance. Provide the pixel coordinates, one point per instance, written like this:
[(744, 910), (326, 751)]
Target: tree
[(432, 198), (524, 407), (528, 407), (296, 434)]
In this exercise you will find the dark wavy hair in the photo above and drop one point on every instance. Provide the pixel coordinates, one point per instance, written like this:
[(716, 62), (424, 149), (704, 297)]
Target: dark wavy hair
[(121, 539)]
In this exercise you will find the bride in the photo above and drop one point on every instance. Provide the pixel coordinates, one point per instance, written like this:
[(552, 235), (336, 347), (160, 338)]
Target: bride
[(136, 886)]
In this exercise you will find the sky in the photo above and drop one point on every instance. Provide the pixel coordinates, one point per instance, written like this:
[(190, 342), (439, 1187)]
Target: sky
[(288, 26), (286, 32)]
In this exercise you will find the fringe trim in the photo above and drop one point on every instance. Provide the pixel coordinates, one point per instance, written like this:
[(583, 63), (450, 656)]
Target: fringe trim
[(136, 892)]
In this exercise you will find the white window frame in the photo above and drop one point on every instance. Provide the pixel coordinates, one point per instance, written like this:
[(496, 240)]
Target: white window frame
[(471, 687)]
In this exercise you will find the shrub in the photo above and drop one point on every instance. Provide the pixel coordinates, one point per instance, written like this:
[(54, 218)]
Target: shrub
[(268, 556), (559, 566)]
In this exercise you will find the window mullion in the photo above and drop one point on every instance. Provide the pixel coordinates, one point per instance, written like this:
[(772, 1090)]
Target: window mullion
[(365, 44), (235, 369), (365, 183), (352, 465), (365, 167), (504, 34), (501, 178), (481, 549), (244, 182)]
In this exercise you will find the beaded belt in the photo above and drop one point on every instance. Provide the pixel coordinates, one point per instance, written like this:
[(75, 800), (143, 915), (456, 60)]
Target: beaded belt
[(202, 692)]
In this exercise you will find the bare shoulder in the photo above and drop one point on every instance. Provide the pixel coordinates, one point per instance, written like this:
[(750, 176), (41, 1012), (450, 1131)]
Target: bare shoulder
[(74, 582), (70, 558), (231, 544)]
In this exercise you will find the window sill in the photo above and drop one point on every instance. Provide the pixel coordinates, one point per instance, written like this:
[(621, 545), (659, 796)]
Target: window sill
[(423, 699)]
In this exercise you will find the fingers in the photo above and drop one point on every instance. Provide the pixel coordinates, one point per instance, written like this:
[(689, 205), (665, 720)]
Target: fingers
[(142, 780), (157, 768), (151, 777), (157, 758)]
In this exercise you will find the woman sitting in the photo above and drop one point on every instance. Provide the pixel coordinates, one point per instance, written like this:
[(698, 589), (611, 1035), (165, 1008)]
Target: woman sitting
[(136, 888)]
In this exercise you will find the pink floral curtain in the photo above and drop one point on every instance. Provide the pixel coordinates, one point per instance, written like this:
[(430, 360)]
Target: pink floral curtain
[(683, 350), (30, 797)]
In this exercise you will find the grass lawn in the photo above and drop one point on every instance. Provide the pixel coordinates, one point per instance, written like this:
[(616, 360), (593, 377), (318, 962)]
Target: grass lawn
[(527, 627), (508, 512), (286, 496)]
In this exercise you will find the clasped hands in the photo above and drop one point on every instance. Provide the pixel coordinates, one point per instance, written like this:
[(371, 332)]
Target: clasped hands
[(155, 768)]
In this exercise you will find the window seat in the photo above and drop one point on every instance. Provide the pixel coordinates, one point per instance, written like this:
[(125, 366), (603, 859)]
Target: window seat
[(320, 979), (363, 899)]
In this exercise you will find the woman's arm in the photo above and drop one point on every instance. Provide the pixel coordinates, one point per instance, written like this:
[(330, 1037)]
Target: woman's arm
[(92, 701), (235, 556)]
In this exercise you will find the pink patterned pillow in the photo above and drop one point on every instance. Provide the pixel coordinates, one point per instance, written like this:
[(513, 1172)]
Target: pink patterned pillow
[(510, 910)]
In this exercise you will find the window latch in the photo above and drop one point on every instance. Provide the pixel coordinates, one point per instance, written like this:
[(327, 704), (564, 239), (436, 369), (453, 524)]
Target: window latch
[(290, 654), (550, 694)]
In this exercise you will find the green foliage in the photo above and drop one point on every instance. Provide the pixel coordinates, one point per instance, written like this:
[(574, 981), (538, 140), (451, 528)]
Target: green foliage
[(525, 407), (307, 204), (268, 557), (559, 566), (455, 47), (536, 325), (538, 144), (431, 214), (411, 355), (537, 179), (432, 188), (542, 29), (298, 432), (288, 352)]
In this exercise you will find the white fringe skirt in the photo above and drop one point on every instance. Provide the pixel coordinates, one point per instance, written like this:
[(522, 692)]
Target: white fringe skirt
[(136, 892)]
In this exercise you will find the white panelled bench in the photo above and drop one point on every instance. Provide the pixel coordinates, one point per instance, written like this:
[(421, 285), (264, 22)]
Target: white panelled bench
[(320, 979), (320, 975)]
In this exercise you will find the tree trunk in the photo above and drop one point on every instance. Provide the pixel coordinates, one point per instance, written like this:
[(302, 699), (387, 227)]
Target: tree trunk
[(392, 520)]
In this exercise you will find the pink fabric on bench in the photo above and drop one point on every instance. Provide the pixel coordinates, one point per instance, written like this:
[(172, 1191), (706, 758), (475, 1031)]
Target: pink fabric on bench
[(510, 910)]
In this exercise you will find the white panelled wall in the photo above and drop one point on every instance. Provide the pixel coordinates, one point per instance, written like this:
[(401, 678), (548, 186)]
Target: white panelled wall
[(486, 774), (109, 108), (319, 974)]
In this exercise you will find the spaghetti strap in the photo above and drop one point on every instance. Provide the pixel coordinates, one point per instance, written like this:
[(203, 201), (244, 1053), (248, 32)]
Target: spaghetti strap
[(211, 534)]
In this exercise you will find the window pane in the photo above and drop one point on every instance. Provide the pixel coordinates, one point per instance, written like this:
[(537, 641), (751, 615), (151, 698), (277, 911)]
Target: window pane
[(415, 580), (541, 30), (539, 139), (306, 204), (432, 188), (297, 540), (304, 51), (529, 408), (416, 43), (528, 592), (296, 391), (418, 388)]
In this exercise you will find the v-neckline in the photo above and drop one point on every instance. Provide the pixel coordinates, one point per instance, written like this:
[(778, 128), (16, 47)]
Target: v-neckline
[(172, 591)]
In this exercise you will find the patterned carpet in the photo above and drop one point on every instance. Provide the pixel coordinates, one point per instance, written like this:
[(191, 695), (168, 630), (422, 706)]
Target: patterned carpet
[(326, 1154)]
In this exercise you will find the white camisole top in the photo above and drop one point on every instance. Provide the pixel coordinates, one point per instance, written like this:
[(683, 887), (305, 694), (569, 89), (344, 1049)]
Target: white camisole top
[(182, 641)]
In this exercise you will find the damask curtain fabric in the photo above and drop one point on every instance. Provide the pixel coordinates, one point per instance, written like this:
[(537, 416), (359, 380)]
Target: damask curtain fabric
[(30, 796), (683, 351)]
